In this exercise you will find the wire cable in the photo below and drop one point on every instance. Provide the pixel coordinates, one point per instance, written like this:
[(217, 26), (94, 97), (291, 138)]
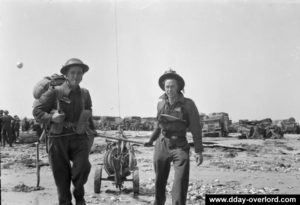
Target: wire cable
[(117, 54)]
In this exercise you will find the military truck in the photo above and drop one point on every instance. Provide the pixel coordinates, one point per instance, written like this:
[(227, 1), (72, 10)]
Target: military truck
[(288, 126), (131, 123), (256, 129), (215, 124), (148, 123), (109, 122)]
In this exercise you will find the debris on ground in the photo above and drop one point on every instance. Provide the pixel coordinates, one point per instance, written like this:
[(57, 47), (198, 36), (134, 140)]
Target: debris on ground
[(98, 148), (231, 154), (27, 137), (25, 188), (259, 167), (197, 189)]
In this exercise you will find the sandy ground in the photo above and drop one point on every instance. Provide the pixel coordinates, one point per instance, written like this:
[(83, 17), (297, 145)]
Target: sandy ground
[(264, 167)]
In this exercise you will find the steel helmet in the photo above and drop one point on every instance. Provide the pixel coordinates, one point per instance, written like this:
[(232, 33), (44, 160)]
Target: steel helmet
[(171, 74), (74, 62)]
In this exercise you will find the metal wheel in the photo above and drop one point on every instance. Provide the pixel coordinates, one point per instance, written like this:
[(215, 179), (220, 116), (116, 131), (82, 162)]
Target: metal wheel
[(97, 180), (136, 181)]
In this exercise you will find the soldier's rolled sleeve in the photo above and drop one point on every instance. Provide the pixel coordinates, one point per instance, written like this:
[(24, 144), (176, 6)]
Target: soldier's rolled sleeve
[(43, 107), (194, 125)]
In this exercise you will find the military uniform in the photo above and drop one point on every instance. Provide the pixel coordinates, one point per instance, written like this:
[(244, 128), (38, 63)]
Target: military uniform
[(65, 142), (173, 121), (1, 114), (15, 128), (6, 133)]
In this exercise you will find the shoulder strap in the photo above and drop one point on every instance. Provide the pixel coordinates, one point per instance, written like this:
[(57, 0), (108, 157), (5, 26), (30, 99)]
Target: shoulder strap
[(59, 95), (185, 112), (160, 107), (84, 94)]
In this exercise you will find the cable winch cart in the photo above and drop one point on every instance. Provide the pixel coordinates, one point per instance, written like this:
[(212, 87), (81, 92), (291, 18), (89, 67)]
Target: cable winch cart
[(119, 162)]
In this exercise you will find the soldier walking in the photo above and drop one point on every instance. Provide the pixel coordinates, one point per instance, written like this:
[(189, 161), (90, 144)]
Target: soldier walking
[(16, 127), (25, 125), (6, 133), (1, 114), (67, 109), (175, 114)]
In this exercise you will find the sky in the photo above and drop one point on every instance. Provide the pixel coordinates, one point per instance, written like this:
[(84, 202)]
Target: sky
[(236, 56)]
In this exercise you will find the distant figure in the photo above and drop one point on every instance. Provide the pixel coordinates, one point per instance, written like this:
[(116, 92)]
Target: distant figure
[(1, 114), (6, 129), (25, 125), (38, 129), (175, 114), (15, 128), (67, 109)]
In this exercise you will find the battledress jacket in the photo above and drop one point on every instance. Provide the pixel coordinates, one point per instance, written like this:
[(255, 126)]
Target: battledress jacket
[(66, 101), (190, 115), (6, 121)]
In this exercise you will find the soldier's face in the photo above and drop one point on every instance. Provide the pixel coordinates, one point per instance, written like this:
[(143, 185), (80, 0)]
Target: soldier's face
[(74, 75), (171, 88)]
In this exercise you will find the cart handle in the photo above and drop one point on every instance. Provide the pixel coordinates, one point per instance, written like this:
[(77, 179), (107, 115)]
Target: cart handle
[(120, 139)]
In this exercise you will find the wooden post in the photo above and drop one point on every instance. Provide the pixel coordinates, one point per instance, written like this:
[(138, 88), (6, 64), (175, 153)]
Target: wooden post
[(37, 164)]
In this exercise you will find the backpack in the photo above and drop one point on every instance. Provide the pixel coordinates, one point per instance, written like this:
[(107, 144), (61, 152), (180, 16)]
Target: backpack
[(54, 82), (47, 83)]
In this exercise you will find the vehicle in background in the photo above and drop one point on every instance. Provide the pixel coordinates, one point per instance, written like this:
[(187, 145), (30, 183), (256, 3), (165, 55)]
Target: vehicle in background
[(131, 123), (215, 124), (288, 126), (148, 123), (109, 123)]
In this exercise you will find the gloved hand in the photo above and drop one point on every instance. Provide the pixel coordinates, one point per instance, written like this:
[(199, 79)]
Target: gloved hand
[(148, 144), (58, 117)]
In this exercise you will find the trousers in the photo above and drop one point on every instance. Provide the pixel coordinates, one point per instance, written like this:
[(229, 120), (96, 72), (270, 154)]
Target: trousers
[(166, 152), (6, 136), (62, 151)]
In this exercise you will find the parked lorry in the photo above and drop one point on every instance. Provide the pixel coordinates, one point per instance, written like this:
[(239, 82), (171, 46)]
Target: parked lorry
[(215, 124), (254, 128), (132, 123), (109, 123), (288, 126), (148, 123), (259, 129)]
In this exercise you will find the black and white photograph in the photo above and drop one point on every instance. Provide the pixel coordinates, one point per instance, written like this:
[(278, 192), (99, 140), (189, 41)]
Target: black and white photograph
[(139, 102)]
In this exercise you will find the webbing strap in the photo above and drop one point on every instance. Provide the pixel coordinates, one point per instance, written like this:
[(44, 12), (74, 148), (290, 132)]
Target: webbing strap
[(83, 97)]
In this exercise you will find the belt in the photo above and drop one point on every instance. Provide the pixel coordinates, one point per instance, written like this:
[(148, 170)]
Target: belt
[(70, 125), (61, 135), (174, 137), (175, 141), (69, 128), (169, 134)]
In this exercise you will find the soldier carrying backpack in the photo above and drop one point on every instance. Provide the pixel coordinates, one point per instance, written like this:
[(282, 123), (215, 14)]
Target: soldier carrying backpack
[(67, 110)]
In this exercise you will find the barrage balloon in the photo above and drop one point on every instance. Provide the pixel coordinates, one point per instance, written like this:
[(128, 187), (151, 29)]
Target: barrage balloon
[(19, 64)]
